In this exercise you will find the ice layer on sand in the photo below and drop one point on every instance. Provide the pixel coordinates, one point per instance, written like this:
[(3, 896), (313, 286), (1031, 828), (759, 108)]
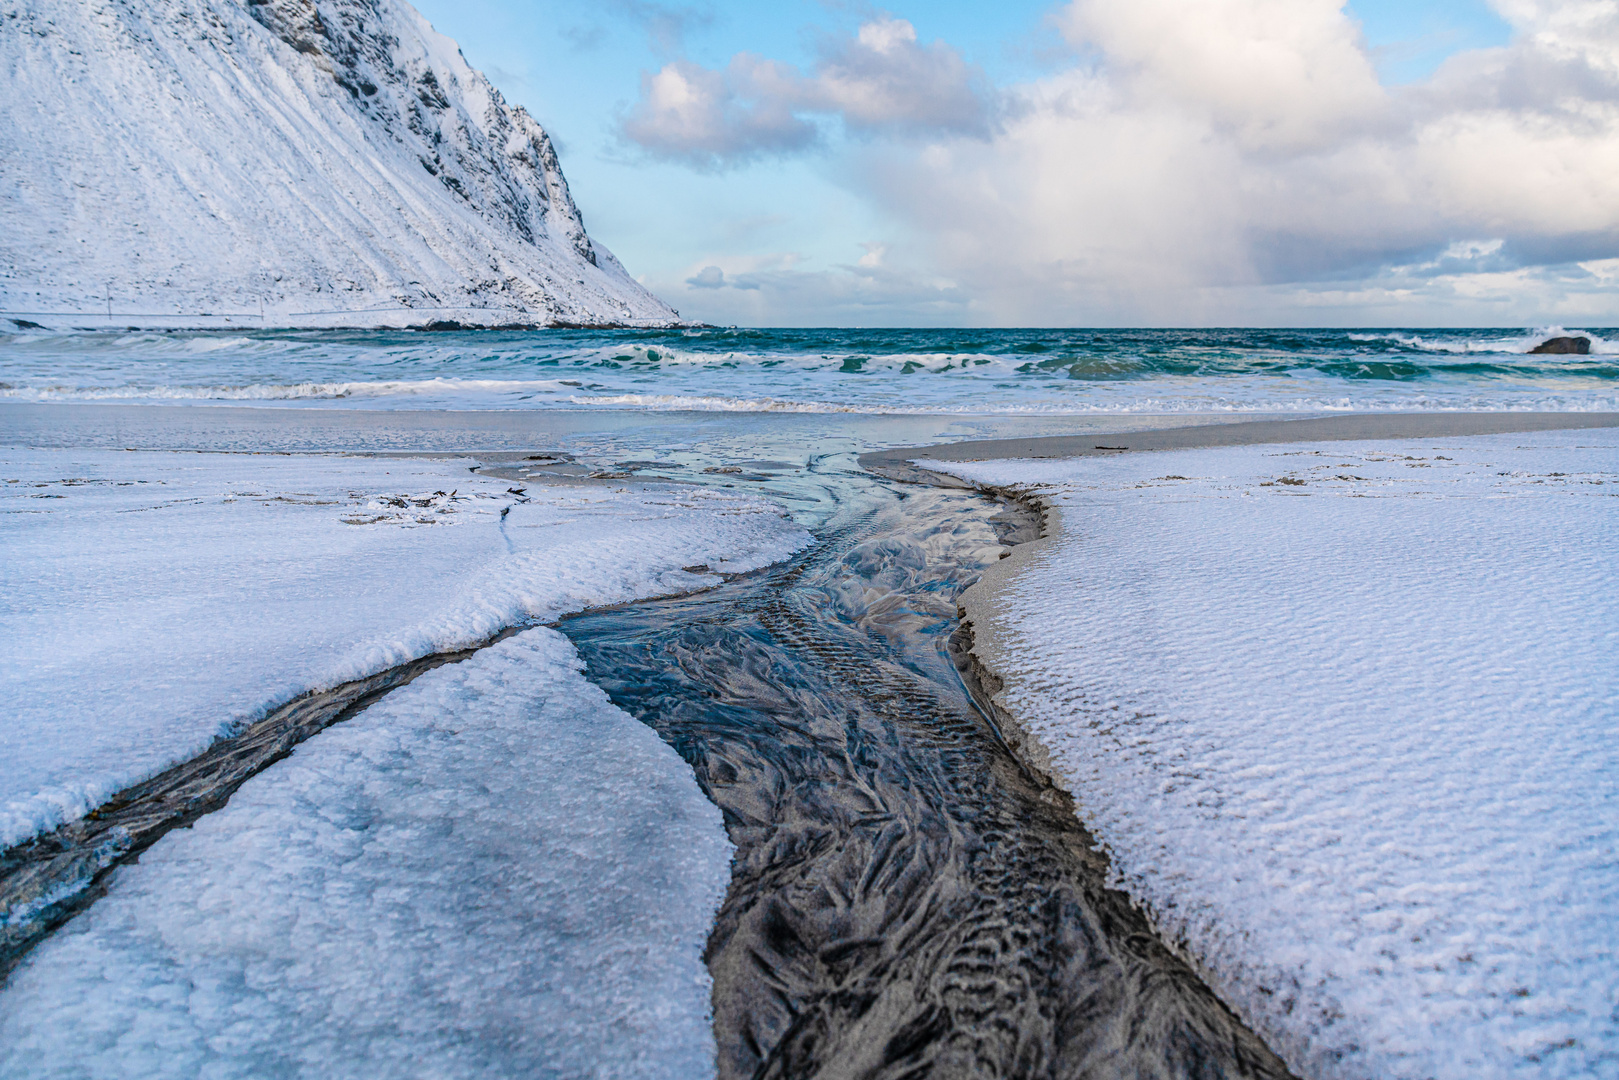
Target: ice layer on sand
[(491, 872), (155, 601), (1344, 715)]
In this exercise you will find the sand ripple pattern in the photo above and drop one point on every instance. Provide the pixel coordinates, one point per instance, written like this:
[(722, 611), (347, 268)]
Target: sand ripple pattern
[(906, 899)]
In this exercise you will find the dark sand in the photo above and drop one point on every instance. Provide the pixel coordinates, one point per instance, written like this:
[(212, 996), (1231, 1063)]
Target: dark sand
[(896, 463)]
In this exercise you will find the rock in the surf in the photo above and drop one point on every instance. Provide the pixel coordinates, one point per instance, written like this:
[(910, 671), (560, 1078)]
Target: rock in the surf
[(1574, 346)]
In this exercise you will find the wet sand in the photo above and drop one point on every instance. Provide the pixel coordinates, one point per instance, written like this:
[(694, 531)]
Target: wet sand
[(1205, 432), (906, 899)]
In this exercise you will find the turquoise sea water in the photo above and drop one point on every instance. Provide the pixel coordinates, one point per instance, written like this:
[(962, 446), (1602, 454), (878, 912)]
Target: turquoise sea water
[(866, 371)]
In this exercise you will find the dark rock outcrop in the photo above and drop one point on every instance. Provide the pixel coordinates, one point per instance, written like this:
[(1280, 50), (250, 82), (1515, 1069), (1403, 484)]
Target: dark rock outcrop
[(1564, 346)]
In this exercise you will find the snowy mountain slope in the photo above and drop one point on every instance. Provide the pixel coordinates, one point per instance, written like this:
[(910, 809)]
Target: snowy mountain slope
[(280, 163)]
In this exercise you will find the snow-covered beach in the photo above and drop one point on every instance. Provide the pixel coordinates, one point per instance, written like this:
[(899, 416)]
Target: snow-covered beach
[(175, 570), (189, 593), (494, 872), (511, 818), (1342, 715), (172, 596)]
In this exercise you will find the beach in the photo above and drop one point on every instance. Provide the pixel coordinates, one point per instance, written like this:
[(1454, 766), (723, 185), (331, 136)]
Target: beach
[(114, 948), (770, 785)]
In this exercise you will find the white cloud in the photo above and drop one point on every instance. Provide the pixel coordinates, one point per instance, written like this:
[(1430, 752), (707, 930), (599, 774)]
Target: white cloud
[(709, 277), (880, 82), (885, 81), (1230, 160), (707, 118), (1284, 74), (1199, 161)]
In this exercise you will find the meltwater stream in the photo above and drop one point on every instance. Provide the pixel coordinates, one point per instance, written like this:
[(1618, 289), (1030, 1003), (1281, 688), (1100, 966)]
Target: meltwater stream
[(906, 899)]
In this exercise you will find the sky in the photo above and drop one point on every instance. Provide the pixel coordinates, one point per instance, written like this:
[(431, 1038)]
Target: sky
[(1086, 163)]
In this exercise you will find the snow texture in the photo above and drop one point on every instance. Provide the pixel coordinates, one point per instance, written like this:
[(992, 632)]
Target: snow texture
[(492, 873), (1344, 716), (280, 163), (154, 601)]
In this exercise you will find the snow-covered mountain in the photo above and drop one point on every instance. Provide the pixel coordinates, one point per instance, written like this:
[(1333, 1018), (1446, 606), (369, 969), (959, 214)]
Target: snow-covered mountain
[(279, 163)]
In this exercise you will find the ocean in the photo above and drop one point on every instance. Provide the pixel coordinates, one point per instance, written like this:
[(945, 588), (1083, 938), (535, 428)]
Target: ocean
[(959, 372)]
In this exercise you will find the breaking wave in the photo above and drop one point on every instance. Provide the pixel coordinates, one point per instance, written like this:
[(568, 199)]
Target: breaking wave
[(309, 391), (866, 371), (1512, 344)]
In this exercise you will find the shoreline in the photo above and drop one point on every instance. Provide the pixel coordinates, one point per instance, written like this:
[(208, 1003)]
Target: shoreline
[(896, 464), (975, 652), (980, 656), (156, 322), (1133, 1012), (1130, 1013)]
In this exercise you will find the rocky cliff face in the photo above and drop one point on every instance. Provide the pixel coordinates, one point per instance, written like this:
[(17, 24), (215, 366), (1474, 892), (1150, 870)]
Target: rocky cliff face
[(280, 162)]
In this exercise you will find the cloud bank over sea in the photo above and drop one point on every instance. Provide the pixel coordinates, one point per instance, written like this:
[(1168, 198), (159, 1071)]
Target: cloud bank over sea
[(1227, 161)]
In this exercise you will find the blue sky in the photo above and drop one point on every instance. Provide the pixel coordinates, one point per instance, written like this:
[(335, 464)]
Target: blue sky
[(786, 227), (1410, 38)]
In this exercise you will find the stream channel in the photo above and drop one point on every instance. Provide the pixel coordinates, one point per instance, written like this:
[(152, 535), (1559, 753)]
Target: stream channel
[(907, 899)]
